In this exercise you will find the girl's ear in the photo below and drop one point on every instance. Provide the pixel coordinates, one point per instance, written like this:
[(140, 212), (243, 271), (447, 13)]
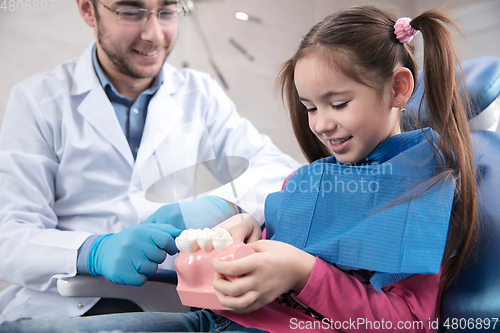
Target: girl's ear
[(402, 86)]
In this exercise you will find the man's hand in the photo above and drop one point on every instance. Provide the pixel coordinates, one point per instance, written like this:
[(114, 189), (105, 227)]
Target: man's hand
[(134, 253)]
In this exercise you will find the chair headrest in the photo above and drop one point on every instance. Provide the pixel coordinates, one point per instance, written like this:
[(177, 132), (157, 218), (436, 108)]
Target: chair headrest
[(482, 77), (476, 292)]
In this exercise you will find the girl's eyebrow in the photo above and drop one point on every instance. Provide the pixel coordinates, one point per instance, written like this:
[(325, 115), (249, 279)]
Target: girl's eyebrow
[(325, 96)]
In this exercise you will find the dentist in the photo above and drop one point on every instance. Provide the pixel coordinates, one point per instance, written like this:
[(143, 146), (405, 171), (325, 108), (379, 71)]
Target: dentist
[(71, 148)]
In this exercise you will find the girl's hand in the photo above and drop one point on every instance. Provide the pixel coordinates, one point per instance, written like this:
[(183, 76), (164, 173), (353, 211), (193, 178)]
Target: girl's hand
[(274, 269), (242, 227)]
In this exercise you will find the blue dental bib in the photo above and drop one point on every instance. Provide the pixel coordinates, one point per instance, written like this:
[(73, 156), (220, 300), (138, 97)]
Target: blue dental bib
[(363, 216)]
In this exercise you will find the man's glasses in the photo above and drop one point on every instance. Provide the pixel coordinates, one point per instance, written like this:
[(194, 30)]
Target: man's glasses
[(140, 15)]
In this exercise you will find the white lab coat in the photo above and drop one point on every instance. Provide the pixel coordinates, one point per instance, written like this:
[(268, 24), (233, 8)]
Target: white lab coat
[(67, 172)]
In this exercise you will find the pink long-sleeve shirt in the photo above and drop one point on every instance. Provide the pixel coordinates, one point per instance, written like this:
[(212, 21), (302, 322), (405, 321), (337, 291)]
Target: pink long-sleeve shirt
[(347, 305)]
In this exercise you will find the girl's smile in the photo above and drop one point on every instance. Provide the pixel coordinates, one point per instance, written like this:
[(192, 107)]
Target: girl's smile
[(338, 145)]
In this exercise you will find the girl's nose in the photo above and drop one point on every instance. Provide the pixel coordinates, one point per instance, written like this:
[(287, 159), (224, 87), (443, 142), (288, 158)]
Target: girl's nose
[(324, 122)]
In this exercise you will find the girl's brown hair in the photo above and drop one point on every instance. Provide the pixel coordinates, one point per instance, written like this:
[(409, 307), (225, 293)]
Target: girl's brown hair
[(361, 43)]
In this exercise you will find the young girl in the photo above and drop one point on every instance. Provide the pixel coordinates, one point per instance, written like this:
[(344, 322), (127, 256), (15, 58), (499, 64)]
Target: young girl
[(366, 236), (374, 235)]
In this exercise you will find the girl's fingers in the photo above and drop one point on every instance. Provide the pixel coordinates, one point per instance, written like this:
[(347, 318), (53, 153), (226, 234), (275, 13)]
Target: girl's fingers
[(238, 234), (244, 303), (237, 267), (242, 227), (248, 231), (262, 245), (235, 287), (255, 235)]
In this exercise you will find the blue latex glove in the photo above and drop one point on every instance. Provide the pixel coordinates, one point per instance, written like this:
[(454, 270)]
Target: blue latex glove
[(206, 212), (134, 253)]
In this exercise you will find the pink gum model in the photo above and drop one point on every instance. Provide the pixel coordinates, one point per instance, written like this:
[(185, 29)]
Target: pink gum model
[(195, 275)]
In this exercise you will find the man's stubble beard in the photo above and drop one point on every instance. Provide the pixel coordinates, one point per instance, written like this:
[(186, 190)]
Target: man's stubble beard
[(118, 60)]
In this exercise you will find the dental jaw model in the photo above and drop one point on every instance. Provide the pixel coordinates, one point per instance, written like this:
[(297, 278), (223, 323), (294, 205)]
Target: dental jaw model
[(195, 274), (191, 240)]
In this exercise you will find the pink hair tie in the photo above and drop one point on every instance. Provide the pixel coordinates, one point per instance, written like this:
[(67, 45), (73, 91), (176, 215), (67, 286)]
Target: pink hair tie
[(403, 30)]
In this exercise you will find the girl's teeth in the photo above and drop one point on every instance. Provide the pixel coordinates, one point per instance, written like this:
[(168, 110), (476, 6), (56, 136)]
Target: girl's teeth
[(338, 141)]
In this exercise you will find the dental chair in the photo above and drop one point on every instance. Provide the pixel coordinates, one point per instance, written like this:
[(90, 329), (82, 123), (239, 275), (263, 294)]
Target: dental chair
[(482, 77), (472, 303), (158, 294), (476, 294)]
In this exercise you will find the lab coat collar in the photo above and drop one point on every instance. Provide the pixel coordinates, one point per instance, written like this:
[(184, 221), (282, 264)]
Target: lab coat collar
[(163, 115), (85, 78), (96, 107), (173, 80), (99, 112)]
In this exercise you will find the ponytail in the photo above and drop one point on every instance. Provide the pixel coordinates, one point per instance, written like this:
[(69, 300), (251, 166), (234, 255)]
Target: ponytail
[(448, 117)]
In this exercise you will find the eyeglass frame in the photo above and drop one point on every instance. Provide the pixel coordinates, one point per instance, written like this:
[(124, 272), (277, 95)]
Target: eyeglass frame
[(179, 10)]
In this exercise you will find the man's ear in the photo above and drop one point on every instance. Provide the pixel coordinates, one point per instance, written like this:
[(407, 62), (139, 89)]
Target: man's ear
[(86, 9), (402, 86)]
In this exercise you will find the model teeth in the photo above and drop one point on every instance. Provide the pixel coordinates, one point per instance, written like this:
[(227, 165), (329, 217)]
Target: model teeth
[(222, 239), (205, 240), (191, 240), (187, 241)]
